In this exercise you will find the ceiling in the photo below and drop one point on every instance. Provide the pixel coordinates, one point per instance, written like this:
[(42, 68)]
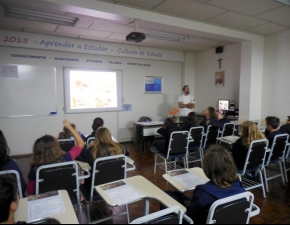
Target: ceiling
[(249, 16), (263, 17)]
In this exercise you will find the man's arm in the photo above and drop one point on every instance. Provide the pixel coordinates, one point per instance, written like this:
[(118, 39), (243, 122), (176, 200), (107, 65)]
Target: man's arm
[(181, 105), (190, 106)]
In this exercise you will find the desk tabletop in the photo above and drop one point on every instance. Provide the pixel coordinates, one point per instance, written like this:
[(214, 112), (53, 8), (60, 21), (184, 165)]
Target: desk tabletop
[(68, 217), (84, 166), (229, 139), (149, 124), (145, 188), (197, 171)]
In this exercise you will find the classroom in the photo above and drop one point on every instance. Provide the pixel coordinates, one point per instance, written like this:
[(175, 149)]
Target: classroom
[(144, 111)]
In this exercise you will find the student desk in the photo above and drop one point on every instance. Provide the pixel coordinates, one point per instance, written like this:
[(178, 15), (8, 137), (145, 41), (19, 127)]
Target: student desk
[(86, 167), (145, 188), (149, 129), (68, 217), (178, 186)]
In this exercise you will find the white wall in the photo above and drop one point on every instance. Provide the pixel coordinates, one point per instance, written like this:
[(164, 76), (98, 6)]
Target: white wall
[(276, 79), (22, 132), (206, 93)]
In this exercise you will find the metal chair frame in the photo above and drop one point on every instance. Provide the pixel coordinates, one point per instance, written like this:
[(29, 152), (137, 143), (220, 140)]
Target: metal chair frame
[(94, 172), (76, 174), (249, 184), (154, 216), (270, 174), (192, 156), (247, 195), (172, 165)]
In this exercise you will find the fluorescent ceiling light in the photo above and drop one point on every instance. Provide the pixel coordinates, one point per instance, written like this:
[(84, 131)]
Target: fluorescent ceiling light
[(166, 36), (287, 2), (26, 14)]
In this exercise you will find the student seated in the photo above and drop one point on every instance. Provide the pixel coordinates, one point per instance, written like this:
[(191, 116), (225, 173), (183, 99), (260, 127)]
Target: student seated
[(273, 124), (250, 132), (168, 127), (285, 129), (66, 134), (98, 123), (221, 117), (220, 168), (47, 151), (103, 146), (191, 122), (6, 163), (9, 199), (210, 118)]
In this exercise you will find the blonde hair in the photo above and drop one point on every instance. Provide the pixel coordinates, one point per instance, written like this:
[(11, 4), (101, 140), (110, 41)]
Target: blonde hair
[(104, 142), (250, 132)]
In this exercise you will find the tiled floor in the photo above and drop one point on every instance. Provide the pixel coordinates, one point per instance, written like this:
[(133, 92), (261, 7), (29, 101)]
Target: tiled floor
[(274, 209)]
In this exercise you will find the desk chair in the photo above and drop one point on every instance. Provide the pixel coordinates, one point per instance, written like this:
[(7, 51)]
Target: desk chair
[(105, 170), (237, 209), (92, 139), (287, 162), (173, 215), (66, 144), (14, 172), (228, 130), (196, 145), (211, 136), (276, 155), (177, 149), (255, 162), (60, 176)]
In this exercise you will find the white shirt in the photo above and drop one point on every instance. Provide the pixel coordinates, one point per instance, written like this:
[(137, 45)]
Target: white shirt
[(186, 99)]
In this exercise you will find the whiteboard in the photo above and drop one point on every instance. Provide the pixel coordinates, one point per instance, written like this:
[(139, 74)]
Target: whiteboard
[(30, 91)]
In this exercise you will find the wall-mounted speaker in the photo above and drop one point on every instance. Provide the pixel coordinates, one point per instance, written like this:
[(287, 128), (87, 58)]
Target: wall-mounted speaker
[(219, 50)]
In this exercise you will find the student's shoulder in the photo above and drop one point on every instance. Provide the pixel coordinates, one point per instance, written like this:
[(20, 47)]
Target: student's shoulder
[(11, 165)]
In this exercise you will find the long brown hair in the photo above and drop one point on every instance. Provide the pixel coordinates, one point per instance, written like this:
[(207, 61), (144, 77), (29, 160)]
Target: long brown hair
[(250, 132), (46, 151), (104, 141), (220, 167), (211, 111)]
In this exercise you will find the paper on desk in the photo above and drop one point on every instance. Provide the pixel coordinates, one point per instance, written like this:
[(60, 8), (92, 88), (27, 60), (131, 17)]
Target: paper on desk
[(187, 179), (45, 205), (122, 193)]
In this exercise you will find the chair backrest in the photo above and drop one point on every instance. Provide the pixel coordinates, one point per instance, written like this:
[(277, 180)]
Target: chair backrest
[(228, 130), (178, 144), (197, 136), (145, 119), (14, 172), (256, 156), (167, 216), (107, 170), (92, 139), (232, 210), (279, 147), (60, 176), (211, 135), (66, 144)]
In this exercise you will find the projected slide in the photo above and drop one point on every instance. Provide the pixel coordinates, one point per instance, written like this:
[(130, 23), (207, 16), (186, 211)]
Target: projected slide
[(92, 91)]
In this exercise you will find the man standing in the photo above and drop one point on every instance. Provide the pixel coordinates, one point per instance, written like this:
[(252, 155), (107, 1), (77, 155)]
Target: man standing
[(186, 102)]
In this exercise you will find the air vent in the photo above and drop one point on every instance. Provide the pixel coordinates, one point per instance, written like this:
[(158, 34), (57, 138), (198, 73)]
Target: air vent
[(39, 16)]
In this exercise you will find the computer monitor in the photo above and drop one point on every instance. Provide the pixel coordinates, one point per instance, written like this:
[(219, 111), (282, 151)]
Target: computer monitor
[(224, 104)]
